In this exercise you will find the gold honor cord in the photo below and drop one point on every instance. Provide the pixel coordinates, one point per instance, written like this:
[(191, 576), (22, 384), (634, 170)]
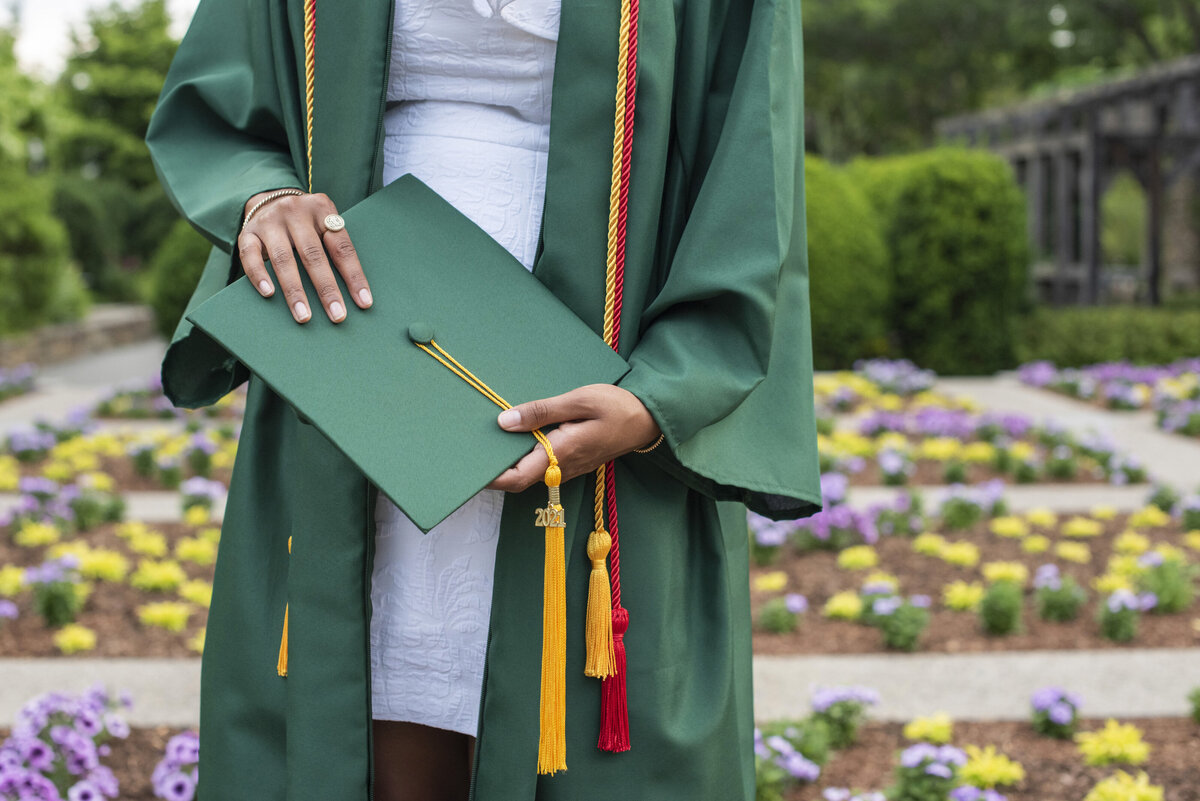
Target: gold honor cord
[(552, 739)]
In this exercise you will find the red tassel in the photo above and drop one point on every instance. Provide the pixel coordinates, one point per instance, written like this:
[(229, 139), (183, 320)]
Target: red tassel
[(614, 708)]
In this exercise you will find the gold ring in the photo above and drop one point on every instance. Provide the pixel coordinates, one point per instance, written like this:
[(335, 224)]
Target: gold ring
[(334, 222)]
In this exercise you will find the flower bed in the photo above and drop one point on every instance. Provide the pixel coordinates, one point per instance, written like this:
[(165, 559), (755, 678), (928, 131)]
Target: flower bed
[(145, 400), (882, 384), (149, 460), (968, 576), (118, 590), (935, 445), (1172, 390)]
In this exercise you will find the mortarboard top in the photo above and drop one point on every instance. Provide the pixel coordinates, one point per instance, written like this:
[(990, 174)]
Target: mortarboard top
[(420, 432)]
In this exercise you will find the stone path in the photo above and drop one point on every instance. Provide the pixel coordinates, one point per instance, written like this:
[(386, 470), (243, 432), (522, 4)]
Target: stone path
[(985, 686)]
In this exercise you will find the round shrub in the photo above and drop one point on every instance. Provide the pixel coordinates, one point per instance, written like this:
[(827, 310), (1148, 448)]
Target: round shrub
[(174, 272), (40, 285), (955, 234), (848, 282)]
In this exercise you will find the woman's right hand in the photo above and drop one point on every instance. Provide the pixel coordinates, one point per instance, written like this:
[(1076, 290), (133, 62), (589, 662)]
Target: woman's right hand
[(297, 222)]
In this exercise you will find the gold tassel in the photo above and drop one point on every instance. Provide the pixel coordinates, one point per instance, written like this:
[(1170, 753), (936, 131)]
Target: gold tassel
[(601, 662), (552, 741), (281, 666)]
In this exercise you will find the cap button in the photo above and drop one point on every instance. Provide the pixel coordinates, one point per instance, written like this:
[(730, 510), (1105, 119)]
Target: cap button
[(421, 333)]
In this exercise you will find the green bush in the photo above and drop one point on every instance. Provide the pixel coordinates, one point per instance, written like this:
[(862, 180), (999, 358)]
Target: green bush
[(848, 281), (94, 214), (1074, 337), (40, 285), (174, 272), (956, 236), (1000, 608)]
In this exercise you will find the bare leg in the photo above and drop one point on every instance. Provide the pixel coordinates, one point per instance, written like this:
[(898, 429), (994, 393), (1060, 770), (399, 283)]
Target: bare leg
[(420, 763)]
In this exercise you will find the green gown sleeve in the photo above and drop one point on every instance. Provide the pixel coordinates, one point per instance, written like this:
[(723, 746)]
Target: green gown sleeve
[(218, 136), (724, 361)]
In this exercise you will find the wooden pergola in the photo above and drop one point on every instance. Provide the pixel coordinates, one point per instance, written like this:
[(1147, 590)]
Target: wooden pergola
[(1065, 150)]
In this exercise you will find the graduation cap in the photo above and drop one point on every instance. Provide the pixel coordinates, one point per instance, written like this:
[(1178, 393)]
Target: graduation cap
[(409, 389)]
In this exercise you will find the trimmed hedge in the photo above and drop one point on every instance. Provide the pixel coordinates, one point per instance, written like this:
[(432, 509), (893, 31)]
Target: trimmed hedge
[(954, 226), (174, 272), (1074, 337), (38, 283), (848, 281)]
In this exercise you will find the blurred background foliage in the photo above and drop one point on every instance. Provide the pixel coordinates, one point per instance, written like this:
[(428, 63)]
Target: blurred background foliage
[(915, 250)]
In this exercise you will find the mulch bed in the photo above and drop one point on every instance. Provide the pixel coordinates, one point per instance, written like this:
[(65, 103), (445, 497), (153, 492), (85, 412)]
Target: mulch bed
[(815, 574), (1054, 769), (110, 610)]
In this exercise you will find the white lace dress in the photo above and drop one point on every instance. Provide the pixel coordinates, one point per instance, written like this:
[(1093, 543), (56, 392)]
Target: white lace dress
[(468, 114)]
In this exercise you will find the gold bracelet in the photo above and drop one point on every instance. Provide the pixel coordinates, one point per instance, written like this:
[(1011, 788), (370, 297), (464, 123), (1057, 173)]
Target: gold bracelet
[(268, 199), (657, 442)]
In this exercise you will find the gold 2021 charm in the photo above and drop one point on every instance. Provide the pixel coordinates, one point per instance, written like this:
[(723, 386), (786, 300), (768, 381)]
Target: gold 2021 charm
[(550, 517)]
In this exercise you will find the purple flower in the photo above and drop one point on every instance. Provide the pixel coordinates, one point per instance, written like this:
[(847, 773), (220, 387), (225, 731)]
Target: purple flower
[(920, 601), (8, 609), (917, 753), (183, 748), (1047, 577), (824, 697), (84, 791), (887, 605), (1060, 713), (1147, 601), (799, 766), (176, 786), (1150, 559), (938, 769), (1122, 599), (966, 792), (836, 794), (892, 462), (795, 603)]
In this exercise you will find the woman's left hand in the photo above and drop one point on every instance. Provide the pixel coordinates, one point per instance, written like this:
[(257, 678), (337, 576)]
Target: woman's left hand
[(597, 423)]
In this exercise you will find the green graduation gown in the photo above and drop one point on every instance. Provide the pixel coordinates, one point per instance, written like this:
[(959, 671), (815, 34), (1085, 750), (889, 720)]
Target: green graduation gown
[(716, 330)]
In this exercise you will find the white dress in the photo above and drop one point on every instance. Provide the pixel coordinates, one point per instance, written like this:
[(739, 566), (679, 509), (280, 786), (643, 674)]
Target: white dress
[(468, 114)]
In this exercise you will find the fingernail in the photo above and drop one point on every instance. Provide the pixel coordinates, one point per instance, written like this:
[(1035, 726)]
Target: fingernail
[(264, 286), (336, 310), (365, 296), (509, 418), (301, 310)]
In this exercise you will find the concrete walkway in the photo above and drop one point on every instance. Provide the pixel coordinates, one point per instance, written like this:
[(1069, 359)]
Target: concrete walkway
[(985, 686)]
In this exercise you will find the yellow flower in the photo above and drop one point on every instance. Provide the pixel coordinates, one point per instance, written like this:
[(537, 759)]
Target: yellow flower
[(1103, 512), (74, 637), (1021, 451), (33, 535), (928, 543), (1192, 539), (1035, 543), (985, 768), (845, 605), (196, 591), (104, 564), (211, 534), (892, 440), (1008, 526), (962, 596), (148, 543), (10, 473), (939, 448), (890, 402), (962, 554), (151, 575), (1122, 787), (1073, 552), (202, 552), (12, 580), (1006, 571), (1109, 583), (936, 728), (132, 529), (1114, 743), (58, 471), (1149, 516), (196, 516), (1131, 542), (979, 452), (169, 615), (858, 557), (880, 577), (1124, 565), (196, 643), (1082, 527), (1170, 553), (82, 590), (774, 581), (1042, 517), (102, 482)]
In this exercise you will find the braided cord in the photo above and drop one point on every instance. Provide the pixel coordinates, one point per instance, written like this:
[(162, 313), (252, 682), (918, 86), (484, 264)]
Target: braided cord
[(310, 73)]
